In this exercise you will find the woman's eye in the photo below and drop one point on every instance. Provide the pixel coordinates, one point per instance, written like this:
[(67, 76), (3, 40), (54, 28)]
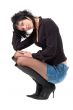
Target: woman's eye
[(22, 24)]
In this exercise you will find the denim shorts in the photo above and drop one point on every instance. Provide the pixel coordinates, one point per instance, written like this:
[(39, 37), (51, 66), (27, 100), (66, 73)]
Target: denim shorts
[(56, 74)]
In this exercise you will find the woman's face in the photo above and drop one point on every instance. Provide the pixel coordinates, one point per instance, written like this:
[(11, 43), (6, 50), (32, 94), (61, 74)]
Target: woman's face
[(25, 24)]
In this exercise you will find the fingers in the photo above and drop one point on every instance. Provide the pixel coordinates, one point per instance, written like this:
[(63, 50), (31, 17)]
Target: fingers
[(22, 52)]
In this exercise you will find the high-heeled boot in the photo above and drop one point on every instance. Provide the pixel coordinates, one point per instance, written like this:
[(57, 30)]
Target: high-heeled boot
[(38, 86), (46, 91), (48, 87)]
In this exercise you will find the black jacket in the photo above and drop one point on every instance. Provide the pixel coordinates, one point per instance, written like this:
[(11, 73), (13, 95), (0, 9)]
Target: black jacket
[(49, 39)]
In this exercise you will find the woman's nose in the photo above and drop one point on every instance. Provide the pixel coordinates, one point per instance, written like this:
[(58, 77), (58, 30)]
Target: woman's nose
[(24, 28)]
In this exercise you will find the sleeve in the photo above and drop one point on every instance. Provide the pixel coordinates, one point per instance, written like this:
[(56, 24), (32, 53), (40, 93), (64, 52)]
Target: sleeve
[(51, 46), (18, 44)]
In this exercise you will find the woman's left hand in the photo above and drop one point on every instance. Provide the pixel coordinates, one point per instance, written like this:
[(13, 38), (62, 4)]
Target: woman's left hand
[(27, 54)]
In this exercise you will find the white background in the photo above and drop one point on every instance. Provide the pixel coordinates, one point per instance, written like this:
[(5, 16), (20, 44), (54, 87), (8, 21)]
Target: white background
[(14, 84)]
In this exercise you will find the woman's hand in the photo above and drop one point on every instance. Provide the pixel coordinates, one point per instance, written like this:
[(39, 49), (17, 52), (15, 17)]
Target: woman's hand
[(18, 54), (22, 54), (27, 54)]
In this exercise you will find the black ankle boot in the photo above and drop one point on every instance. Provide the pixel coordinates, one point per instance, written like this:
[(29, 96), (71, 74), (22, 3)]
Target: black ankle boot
[(38, 91), (45, 92), (48, 87)]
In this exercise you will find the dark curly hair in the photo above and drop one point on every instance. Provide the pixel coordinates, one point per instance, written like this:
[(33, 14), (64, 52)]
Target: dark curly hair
[(20, 16)]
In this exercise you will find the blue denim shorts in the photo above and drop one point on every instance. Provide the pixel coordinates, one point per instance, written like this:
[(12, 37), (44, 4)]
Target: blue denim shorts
[(56, 74)]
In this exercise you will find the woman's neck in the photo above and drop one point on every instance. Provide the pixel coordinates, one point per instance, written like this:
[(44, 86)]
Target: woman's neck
[(37, 26), (37, 22)]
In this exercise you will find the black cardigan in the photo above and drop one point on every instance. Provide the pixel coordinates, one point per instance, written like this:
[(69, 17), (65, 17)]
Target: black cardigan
[(49, 39)]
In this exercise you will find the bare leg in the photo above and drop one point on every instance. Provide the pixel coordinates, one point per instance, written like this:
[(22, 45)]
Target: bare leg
[(35, 64)]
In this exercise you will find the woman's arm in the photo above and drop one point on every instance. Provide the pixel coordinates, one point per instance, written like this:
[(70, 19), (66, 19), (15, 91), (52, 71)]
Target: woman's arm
[(18, 44)]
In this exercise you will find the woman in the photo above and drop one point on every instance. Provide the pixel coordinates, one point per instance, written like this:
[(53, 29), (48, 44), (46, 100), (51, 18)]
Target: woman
[(49, 63)]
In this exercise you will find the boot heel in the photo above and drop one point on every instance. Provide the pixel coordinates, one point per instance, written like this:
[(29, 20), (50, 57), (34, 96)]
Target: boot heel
[(53, 94)]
